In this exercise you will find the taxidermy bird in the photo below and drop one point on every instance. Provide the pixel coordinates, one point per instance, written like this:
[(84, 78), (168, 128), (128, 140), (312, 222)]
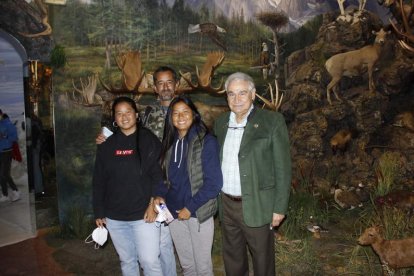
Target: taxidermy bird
[(346, 199), (362, 193), (209, 29)]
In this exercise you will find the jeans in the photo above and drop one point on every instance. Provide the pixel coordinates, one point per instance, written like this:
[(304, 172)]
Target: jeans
[(167, 252), (136, 241)]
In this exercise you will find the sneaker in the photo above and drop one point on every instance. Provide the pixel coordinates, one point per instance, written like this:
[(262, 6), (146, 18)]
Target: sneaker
[(15, 195), (4, 198)]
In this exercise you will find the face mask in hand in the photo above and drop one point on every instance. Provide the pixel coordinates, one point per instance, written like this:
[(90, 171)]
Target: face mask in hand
[(99, 236)]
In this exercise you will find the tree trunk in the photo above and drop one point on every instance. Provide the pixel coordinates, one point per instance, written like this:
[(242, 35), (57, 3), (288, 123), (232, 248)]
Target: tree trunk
[(107, 54), (276, 50)]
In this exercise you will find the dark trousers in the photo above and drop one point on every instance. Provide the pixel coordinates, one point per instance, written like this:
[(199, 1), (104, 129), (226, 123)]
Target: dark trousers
[(5, 167), (237, 235)]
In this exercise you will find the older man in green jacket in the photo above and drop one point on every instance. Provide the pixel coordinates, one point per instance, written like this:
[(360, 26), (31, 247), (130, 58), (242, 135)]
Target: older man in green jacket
[(256, 169)]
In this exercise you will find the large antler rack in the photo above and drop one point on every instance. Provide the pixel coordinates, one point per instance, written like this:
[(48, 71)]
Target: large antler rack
[(275, 100), (213, 61), (87, 92), (129, 62)]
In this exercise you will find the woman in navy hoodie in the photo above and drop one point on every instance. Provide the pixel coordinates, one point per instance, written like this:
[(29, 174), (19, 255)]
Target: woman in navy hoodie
[(193, 179)]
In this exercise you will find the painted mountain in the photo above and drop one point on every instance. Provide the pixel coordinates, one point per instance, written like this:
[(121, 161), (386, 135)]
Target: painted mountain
[(299, 11)]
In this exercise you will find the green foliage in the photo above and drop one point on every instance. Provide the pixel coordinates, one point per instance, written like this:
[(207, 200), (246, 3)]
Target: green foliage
[(303, 209), (58, 57), (387, 172)]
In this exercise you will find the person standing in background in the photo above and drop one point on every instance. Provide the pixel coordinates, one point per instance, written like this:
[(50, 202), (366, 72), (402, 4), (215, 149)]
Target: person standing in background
[(8, 135)]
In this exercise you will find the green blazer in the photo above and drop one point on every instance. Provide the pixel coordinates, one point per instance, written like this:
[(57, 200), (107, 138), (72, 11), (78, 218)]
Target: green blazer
[(264, 162)]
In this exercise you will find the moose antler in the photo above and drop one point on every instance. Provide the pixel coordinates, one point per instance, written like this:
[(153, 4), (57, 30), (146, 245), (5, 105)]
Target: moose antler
[(214, 60), (129, 63), (87, 92), (45, 21), (275, 101)]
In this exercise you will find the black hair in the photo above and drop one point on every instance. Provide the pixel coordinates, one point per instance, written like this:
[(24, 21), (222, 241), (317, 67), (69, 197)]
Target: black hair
[(170, 131), (164, 69), (131, 102)]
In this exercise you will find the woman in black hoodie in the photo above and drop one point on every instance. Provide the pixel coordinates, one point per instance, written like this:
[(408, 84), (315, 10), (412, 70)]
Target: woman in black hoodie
[(126, 172)]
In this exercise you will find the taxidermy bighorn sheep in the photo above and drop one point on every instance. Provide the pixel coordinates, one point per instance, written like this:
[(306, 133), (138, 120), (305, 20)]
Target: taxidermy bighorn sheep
[(351, 63)]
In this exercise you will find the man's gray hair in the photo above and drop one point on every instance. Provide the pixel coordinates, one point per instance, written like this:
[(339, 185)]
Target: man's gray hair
[(239, 76)]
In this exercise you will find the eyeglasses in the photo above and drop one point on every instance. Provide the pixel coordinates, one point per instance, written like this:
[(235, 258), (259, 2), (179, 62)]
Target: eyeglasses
[(236, 128)]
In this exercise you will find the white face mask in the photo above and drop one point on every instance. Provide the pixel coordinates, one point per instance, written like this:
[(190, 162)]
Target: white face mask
[(163, 214), (99, 236)]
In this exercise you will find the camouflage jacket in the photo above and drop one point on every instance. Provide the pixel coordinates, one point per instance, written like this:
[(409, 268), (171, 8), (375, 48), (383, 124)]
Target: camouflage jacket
[(153, 118)]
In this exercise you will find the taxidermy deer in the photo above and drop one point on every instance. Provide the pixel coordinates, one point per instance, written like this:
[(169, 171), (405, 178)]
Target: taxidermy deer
[(351, 64), (393, 254)]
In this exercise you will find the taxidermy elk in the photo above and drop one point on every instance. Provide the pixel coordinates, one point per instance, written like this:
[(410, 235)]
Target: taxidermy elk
[(351, 64)]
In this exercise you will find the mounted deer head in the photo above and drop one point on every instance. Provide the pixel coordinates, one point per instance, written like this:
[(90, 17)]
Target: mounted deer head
[(214, 60), (275, 101), (87, 92)]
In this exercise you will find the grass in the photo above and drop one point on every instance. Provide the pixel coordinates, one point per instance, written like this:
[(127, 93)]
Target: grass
[(387, 172)]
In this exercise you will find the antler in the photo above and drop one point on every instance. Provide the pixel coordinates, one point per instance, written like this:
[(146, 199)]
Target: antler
[(407, 33), (214, 60), (129, 63), (45, 21), (87, 92), (275, 101)]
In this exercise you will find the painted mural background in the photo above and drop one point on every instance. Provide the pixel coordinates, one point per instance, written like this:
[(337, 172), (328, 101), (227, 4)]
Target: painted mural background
[(90, 34)]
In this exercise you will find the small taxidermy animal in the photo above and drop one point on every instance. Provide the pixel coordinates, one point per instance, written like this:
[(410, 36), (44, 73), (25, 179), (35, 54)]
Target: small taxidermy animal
[(341, 140), (405, 119)]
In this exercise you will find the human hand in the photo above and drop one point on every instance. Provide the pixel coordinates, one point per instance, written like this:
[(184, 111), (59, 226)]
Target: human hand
[(157, 201), (277, 219), (100, 222), (184, 214), (100, 138), (150, 214)]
